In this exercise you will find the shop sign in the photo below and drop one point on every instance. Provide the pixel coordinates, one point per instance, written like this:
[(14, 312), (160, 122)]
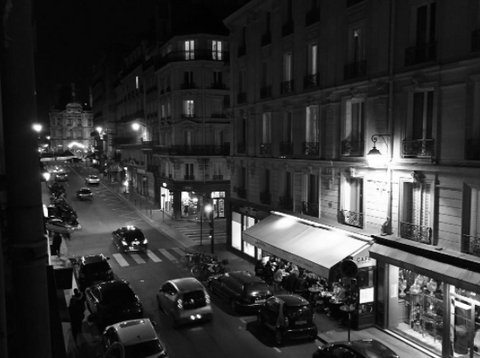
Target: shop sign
[(364, 261)]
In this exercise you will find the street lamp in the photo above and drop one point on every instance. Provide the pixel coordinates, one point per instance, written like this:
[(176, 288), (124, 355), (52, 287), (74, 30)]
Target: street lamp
[(209, 212), (375, 157)]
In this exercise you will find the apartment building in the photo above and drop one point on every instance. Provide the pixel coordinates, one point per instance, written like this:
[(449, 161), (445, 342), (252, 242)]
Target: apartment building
[(318, 89)]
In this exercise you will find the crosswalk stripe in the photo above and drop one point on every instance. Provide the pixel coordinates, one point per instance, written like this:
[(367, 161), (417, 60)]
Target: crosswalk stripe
[(179, 251), (137, 258), (153, 257), (168, 255), (121, 261)]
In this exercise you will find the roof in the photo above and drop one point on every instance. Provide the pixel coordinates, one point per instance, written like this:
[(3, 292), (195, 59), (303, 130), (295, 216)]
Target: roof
[(135, 331), (185, 284)]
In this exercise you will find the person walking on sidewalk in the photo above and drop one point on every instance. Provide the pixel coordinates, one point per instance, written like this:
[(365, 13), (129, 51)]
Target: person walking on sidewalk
[(56, 243), (76, 309)]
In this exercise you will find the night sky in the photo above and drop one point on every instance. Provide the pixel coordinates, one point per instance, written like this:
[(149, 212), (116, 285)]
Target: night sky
[(70, 37)]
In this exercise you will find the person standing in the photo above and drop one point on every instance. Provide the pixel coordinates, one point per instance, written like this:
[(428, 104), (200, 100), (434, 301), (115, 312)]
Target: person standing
[(76, 309), (278, 277), (56, 243)]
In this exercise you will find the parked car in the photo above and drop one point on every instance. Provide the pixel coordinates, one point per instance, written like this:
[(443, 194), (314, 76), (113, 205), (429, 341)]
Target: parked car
[(92, 180), (91, 269), (138, 337), (130, 238), (74, 160), (111, 302), (245, 292), (84, 194), (365, 348), (185, 300), (289, 317), (60, 176)]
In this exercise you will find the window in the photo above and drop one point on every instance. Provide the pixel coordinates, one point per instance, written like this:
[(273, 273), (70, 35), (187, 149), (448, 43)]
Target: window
[(188, 79), (419, 134), (137, 84), (353, 135), (472, 148), (356, 64), (266, 184), (312, 189), (416, 208), (188, 138), (287, 11), (471, 237), (217, 78), (312, 59), (217, 50), (288, 185), (189, 170), (353, 202), (217, 109), (287, 66), (163, 111), (188, 108), (189, 48), (219, 138), (266, 128), (312, 124), (241, 81), (425, 24), (287, 127)]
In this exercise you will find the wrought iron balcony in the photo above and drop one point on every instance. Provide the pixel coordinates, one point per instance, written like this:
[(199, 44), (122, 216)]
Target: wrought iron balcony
[(311, 148), (178, 56), (286, 148), (420, 54), (355, 69), (471, 245), (286, 87), (265, 148), (266, 92), (242, 193), (473, 149), (352, 148), (312, 16), (351, 218), (476, 40), (418, 148), (265, 198), (189, 177), (241, 147), (266, 39), (193, 150), (242, 97), (287, 28), (310, 209), (416, 233), (285, 203), (311, 81)]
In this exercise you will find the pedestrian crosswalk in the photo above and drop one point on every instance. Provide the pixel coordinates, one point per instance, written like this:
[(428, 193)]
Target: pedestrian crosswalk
[(125, 259)]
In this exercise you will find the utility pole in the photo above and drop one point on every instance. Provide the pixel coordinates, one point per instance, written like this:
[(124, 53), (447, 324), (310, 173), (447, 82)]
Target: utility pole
[(27, 256)]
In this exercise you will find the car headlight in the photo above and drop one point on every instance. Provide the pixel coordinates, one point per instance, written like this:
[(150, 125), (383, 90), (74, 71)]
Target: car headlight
[(124, 243), (145, 241)]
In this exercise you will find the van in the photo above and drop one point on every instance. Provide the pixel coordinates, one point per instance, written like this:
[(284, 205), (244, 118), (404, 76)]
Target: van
[(245, 292), (185, 300)]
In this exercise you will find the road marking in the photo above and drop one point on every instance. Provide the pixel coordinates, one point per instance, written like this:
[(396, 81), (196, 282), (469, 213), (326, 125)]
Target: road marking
[(121, 261), (179, 251), (168, 255), (137, 258), (278, 350), (153, 257)]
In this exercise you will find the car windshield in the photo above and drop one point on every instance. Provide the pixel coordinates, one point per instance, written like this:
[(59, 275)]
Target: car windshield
[(194, 299), (84, 191), (256, 289), (134, 235), (95, 268), (121, 294), (302, 312), (143, 349), (93, 177)]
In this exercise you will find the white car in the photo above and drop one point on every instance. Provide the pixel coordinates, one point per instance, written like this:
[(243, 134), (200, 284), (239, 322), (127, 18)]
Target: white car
[(137, 336), (92, 179)]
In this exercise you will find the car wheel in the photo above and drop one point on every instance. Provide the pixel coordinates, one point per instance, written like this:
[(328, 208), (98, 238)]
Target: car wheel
[(279, 336)]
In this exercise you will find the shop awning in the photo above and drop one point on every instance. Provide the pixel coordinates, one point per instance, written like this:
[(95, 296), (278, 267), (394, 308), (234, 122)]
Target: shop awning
[(315, 248), (454, 275)]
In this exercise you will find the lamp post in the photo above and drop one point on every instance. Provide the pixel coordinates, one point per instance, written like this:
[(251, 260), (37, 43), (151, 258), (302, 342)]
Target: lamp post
[(209, 212)]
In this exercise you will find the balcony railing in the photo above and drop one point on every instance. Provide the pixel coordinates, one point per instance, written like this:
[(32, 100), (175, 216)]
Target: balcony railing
[(310, 209), (188, 85), (266, 198), (242, 193), (311, 81), (266, 92), (418, 233), (476, 40), (286, 87), (193, 150), (242, 97), (473, 149), (287, 28), (312, 16), (266, 39), (351, 218), (265, 148), (418, 148), (177, 56), (355, 69), (189, 177), (420, 54), (285, 203), (241, 147), (311, 148), (471, 245), (352, 148), (286, 148)]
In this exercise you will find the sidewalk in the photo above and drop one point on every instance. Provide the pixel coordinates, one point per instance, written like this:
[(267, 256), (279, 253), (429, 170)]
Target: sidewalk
[(329, 330)]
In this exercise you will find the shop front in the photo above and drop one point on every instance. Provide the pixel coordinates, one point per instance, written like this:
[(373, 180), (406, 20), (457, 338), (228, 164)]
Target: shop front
[(428, 298)]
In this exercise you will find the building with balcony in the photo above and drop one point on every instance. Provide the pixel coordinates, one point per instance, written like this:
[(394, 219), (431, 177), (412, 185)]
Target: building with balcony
[(314, 88)]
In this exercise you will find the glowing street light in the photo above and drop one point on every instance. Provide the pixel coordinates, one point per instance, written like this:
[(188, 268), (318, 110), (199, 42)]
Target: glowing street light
[(209, 211), (135, 126)]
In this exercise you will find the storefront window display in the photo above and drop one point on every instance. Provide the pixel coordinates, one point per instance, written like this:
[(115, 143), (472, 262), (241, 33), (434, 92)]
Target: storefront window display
[(239, 224), (416, 308)]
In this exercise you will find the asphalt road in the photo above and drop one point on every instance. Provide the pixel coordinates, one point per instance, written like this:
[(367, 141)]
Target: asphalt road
[(228, 335)]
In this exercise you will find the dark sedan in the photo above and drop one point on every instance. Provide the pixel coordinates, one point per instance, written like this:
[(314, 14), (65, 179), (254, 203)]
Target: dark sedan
[(84, 194), (365, 348), (111, 302), (130, 238)]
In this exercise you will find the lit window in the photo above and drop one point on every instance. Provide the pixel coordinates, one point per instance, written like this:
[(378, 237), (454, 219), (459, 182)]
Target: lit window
[(217, 50), (189, 50)]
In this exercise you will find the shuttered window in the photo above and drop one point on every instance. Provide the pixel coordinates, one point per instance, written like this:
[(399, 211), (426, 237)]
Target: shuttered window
[(417, 204)]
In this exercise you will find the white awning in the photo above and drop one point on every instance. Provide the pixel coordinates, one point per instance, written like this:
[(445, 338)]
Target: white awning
[(314, 247)]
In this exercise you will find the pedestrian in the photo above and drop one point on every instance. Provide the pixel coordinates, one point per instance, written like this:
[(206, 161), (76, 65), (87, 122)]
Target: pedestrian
[(76, 309), (291, 281), (56, 243), (278, 277)]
